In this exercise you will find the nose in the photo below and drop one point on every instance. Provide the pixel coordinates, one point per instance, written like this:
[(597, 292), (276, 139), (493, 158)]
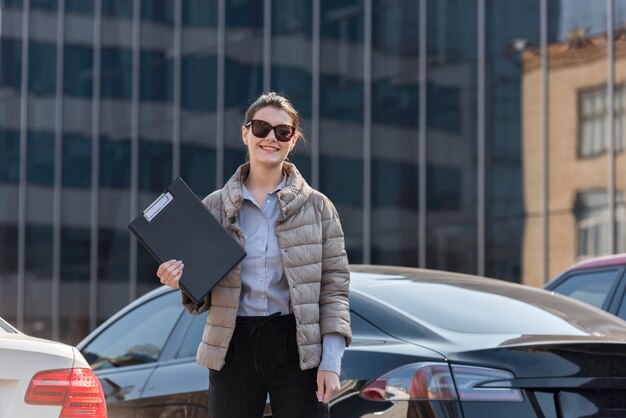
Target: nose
[(271, 134)]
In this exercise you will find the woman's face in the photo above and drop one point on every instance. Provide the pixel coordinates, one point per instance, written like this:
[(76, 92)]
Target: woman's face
[(268, 151)]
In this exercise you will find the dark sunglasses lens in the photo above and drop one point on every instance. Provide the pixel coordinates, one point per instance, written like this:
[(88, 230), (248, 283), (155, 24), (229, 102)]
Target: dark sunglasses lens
[(261, 129), (283, 132)]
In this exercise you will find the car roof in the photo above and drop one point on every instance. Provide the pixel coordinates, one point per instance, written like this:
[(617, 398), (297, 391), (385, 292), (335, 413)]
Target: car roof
[(604, 261)]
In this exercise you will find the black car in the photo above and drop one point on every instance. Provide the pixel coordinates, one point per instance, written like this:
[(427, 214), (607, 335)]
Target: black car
[(426, 344), (598, 281)]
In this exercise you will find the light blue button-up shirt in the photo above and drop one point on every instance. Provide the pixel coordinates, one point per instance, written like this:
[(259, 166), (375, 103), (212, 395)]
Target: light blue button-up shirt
[(264, 289)]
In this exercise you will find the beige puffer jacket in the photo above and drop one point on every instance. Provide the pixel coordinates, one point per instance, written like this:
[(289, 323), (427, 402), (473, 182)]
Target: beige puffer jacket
[(315, 264)]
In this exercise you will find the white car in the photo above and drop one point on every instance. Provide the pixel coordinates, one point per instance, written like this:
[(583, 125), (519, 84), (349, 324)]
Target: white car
[(42, 378)]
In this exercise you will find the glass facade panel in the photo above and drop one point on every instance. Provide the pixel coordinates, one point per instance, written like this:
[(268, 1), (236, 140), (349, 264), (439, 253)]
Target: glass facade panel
[(199, 95), (10, 81), (76, 178), (578, 182), (341, 116), (39, 180), (292, 63), (243, 76), (451, 125), (114, 159), (511, 28), (156, 81), (156, 112), (395, 115), (619, 67)]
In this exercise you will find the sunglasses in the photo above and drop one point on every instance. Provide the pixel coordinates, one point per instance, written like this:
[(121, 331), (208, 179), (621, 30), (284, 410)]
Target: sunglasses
[(261, 129)]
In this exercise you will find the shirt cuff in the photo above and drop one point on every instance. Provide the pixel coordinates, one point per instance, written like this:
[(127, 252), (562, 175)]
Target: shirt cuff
[(333, 347)]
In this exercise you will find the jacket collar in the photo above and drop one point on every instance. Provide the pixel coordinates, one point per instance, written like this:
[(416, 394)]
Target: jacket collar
[(290, 198)]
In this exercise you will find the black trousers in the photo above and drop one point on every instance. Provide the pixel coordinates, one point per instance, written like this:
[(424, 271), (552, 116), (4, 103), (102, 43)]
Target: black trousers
[(263, 358)]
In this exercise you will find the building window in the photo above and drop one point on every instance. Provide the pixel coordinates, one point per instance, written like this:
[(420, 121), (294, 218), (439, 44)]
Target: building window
[(592, 223), (592, 114)]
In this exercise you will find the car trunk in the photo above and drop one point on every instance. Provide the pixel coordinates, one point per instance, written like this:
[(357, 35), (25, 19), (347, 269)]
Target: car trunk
[(561, 379)]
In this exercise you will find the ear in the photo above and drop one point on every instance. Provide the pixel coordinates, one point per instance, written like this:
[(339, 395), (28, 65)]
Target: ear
[(244, 131), (293, 141)]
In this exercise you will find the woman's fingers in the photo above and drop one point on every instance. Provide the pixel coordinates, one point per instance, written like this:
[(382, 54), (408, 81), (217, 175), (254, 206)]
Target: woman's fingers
[(170, 273), (327, 385), (163, 267)]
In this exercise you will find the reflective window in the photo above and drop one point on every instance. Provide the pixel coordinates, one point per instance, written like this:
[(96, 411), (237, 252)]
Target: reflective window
[(363, 329), (486, 308), (77, 70), (6, 328), (76, 175), (155, 77), (74, 272), (42, 68), (115, 160), (341, 116), (292, 65), (158, 11), (243, 76), (619, 30), (622, 309), (592, 222), (199, 95), (511, 29), (592, 287), (9, 156), (11, 63), (136, 338), (593, 117), (199, 13), (395, 116), (192, 338), (84, 7), (47, 5), (13, 4), (451, 125), (117, 8), (116, 73)]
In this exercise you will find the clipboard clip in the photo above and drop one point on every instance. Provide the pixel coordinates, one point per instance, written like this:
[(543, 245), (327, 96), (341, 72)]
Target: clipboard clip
[(157, 206)]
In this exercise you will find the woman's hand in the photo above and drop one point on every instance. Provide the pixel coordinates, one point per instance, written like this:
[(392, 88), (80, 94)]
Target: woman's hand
[(327, 385), (170, 273)]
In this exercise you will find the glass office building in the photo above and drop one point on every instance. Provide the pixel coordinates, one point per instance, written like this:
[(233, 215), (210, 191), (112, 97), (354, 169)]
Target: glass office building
[(463, 135)]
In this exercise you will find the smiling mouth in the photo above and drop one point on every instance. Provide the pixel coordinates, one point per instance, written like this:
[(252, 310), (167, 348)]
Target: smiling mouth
[(268, 148)]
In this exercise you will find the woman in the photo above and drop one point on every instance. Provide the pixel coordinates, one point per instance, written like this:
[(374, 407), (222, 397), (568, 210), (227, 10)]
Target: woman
[(279, 321)]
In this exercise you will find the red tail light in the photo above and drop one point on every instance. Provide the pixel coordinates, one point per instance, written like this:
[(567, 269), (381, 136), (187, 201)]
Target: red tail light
[(78, 391), (437, 381)]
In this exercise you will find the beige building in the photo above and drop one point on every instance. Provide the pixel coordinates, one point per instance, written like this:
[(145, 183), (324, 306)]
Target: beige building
[(580, 173)]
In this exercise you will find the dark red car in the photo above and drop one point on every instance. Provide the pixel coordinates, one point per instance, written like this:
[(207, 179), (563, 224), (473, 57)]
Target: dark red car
[(598, 281)]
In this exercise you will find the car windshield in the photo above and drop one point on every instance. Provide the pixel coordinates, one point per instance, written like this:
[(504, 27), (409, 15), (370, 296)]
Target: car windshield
[(484, 307)]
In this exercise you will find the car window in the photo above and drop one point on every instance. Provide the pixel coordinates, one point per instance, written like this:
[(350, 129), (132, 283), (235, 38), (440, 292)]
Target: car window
[(590, 286), (192, 337), (363, 329), (622, 309), (5, 328), (479, 307), (137, 337)]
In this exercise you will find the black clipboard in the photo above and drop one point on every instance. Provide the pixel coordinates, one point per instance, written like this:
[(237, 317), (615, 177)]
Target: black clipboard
[(178, 226)]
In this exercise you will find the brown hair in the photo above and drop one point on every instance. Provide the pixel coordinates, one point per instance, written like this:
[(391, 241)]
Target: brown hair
[(277, 101)]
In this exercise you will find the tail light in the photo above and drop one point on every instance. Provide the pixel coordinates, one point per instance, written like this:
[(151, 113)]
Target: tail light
[(437, 381), (78, 391)]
